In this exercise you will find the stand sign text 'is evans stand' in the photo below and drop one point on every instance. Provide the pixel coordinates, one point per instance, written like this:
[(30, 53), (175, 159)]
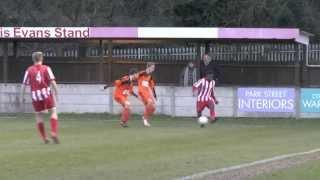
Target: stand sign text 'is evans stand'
[(44, 32)]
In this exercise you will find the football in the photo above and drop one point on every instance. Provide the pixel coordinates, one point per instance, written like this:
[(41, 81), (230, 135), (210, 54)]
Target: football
[(203, 120)]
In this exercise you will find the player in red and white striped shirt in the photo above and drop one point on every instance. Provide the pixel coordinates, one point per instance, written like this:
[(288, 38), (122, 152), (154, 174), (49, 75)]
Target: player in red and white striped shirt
[(206, 95), (40, 78)]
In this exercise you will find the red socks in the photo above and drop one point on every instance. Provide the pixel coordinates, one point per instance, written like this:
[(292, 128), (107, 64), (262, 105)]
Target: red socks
[(125, 115), (149, 110), (42, 130), (54, 127), (213, 116)]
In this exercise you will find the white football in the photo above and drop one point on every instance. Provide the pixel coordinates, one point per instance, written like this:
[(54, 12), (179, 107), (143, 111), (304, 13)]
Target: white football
[(203, 120)]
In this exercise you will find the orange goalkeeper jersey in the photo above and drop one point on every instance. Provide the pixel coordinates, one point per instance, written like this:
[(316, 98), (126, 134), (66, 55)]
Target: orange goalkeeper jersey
[(145, 86), (123, 87)]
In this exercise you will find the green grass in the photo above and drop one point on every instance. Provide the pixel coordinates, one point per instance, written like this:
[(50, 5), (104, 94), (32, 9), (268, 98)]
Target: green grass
[(94, 147), (308, 171)]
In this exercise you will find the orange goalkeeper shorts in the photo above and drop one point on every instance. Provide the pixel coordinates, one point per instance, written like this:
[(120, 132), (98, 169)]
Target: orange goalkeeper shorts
[(121, 99), (146, 98)]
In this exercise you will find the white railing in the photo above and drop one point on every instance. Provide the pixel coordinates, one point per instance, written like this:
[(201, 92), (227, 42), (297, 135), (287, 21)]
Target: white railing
[(284, 53)]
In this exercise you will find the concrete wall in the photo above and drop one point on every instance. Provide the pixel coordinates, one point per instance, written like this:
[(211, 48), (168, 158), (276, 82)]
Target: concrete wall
[(185, 103), (75, 98), (72, 98), (172, 101)]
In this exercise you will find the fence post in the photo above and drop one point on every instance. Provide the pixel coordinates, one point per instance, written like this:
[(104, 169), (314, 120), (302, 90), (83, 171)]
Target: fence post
[(198, 58), (305, 73), (299, 71), (110, 61), (297, 76), (15, 49), (100, 70)]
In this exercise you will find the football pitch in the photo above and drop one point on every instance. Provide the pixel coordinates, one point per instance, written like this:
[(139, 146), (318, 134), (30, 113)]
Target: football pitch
[(93, 146)]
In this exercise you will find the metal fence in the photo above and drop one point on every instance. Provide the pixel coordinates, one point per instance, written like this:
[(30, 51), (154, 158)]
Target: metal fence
[(241, 63), (314, 54), (272, 53)]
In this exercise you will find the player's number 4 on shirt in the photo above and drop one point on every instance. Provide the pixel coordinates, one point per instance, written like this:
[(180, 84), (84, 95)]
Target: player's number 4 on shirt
[(38, 77)]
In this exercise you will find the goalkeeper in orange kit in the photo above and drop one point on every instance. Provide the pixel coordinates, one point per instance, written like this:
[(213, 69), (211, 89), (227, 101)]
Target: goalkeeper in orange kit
[(123, 89)]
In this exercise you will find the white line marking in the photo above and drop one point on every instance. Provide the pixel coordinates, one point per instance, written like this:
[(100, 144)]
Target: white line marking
[(245, 165)]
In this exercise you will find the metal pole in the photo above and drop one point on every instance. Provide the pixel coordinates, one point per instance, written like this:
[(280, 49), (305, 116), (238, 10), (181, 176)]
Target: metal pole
[(15, 49), (305, 65), (101, 62), (198, 58), (109, 78), (5, 63), (110, 61), (297, 76)]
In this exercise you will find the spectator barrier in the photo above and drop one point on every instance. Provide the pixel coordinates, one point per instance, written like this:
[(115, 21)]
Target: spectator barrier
[(179, 101)]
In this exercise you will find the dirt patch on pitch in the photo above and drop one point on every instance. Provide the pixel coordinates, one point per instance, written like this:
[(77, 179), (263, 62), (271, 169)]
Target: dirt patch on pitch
[(249, 172)]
